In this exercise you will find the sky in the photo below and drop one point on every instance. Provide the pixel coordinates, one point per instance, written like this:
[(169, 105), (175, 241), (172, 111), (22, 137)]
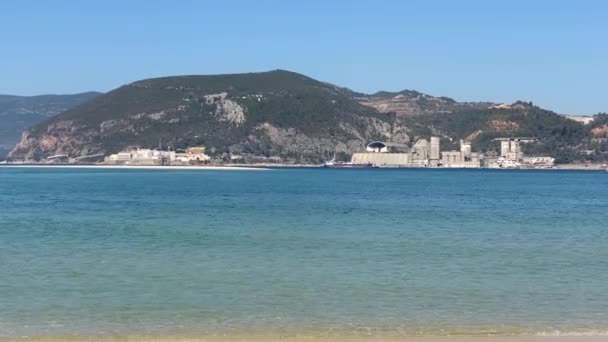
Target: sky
[(553, 53)]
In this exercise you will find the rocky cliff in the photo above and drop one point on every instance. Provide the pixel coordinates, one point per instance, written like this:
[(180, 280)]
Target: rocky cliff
[(411, 103), (278, 114), (20, 112), (288, 117)]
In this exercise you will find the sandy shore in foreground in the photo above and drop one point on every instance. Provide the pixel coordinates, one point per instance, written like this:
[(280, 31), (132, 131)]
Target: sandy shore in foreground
[(304, 338)]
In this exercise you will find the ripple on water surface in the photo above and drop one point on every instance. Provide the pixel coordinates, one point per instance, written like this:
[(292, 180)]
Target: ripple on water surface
[(410, 252)]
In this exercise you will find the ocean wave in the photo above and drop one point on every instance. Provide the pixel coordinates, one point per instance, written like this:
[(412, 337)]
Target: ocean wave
[(573, 333)]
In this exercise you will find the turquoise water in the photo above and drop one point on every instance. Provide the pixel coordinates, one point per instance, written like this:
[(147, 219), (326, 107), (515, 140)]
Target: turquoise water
[(385, 251)]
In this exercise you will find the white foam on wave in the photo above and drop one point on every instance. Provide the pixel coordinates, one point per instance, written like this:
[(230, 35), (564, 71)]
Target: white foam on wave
[(573, 333)]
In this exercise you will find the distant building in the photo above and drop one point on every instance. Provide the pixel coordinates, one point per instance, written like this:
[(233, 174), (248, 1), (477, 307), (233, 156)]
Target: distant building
[(197, 154), (193, 155), (428, 154), (140, 157), (435, 156), (377, 147), (464, 158), (421, 149), (512, 156), (510, 149), (505, 148), (381, 154), (538, 162)]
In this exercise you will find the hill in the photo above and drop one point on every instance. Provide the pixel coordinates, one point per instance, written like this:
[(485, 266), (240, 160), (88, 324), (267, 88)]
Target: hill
[(412, 103), (288, 117), (555, 135), (257, 115), (20, 112)]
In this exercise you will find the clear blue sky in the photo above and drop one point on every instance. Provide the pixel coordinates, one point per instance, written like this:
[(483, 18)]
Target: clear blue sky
[(554, 53)]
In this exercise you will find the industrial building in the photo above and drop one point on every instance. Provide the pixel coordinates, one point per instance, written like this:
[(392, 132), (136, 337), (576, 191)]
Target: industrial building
[(377, 147), (147, 157), (512, 156), (423, 153), (538, 162), (510, 149), (464, 158)]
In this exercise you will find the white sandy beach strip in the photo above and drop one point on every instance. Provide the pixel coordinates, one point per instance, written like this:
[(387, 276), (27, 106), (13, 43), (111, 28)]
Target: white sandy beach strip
[(138, 167)]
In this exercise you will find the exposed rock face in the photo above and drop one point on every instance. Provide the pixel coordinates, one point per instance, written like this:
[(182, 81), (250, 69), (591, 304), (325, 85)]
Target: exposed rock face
[(77, 139), (226, 109), (292, 142), (63, 137), (288, 117), (280, 114), (581, 118), (503, 126), (20, 112), (600, 132), (408, 103), (348, 140), (385, 131)]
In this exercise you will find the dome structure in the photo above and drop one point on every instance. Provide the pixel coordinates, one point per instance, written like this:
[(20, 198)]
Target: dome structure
[(377, 146)]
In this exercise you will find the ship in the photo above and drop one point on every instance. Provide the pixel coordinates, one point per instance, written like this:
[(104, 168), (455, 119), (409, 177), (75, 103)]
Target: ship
[(333, 164)]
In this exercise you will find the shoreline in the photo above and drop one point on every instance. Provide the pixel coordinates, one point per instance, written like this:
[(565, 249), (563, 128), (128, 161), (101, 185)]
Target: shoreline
[(580, 167), (305, 338), (135, 167), (562, 167), (325, 335)]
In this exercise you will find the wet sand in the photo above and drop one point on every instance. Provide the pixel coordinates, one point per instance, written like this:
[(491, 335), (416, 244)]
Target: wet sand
[(307, 338)]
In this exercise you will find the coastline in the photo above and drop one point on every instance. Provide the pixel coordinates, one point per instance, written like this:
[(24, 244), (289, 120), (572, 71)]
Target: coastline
[(580, 167), (135, 167), (264, 166)]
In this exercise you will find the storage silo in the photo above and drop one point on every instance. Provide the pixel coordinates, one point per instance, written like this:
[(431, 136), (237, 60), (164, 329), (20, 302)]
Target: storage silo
[(434, 148), (505, 148)]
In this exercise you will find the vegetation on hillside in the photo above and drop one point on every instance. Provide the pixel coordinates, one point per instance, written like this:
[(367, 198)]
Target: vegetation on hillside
[(555, 135), (306, 118), (281, 114), (20, 112)]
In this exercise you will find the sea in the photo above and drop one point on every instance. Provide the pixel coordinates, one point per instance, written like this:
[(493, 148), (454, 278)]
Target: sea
[(396, 252)]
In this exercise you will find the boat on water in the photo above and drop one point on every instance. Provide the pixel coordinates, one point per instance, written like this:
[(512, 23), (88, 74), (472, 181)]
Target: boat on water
[(333, 164), (348, 166)]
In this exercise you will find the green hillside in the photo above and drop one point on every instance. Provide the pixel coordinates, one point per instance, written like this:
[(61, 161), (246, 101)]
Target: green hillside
[(277, 113), (20, 112), (291, 118), (555, 135)]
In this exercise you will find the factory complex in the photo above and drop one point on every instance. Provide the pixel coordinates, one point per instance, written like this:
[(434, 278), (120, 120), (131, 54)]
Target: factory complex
[(426, 153), (147, 157)]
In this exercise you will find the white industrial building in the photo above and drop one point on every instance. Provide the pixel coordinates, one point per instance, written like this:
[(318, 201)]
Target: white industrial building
[(193, 155), (425, 153), (512, 156), (464, 158), (379, 154), (377, 147)]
